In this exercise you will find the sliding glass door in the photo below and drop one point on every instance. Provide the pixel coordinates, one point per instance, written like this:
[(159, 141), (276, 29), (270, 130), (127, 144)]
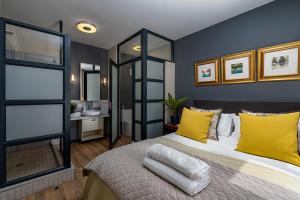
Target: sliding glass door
[(34, 121)]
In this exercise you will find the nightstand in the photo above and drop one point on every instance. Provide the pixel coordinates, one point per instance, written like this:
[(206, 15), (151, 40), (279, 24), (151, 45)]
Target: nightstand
[(170, 128)]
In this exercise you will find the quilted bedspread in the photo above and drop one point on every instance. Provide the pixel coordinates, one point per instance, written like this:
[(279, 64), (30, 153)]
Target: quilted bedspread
[(122, 170)]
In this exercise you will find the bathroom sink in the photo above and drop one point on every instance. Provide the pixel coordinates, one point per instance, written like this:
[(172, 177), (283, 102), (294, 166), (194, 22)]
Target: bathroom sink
[(91, 113)]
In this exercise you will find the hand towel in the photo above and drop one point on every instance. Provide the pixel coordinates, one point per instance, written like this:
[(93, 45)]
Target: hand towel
[(178, 179), (193, 168)]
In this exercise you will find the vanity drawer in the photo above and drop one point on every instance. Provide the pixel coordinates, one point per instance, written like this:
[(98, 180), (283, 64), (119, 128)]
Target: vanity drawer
[(92, 124)]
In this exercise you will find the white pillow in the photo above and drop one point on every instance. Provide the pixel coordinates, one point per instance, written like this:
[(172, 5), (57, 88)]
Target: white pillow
[(225, 124), (237, 126)]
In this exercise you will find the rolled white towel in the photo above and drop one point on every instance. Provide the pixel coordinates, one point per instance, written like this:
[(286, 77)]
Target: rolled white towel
[(193, 168), (178, 179)]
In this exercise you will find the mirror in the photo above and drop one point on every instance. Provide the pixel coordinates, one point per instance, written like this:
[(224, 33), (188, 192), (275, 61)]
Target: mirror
[(89, 82)]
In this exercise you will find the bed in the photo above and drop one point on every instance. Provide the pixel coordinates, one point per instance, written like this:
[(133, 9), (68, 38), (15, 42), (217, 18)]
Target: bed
[(119, 174)]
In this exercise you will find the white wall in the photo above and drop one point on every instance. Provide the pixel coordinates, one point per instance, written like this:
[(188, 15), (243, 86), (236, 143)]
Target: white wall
[(169, 85)]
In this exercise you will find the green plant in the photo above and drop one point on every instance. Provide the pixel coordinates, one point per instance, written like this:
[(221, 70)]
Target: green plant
[(73, 107), (175, 104)]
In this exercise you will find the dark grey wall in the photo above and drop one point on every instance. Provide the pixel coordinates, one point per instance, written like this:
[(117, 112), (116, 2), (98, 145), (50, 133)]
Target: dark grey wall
[(275, 23), (82, 53)]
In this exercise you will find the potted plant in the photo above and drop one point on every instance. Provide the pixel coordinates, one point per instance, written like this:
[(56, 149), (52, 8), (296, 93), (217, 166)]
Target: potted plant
[(174, 105)]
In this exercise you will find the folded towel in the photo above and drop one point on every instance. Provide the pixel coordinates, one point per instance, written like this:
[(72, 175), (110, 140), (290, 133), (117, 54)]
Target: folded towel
[(193, 168), (173, 176)]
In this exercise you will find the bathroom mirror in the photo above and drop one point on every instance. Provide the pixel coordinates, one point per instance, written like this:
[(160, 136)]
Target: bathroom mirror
[(89, 82)]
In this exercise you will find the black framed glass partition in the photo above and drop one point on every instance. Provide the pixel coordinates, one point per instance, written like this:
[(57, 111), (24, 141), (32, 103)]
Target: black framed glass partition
[(148, 53), (34, 102)]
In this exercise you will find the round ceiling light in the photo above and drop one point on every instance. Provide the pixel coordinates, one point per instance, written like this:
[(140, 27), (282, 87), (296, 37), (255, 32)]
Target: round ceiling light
[(136, 47), (86, 27)]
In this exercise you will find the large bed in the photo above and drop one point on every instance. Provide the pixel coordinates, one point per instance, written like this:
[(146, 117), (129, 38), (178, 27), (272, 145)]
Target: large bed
[(119, 173)]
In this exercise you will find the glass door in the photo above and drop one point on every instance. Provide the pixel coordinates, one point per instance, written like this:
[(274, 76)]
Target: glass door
[(114, 105)]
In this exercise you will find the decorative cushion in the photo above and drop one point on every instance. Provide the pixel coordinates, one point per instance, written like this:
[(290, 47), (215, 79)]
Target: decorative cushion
[(268, 114), (212, 132), (225, 125), (273, 136), (195, 125)]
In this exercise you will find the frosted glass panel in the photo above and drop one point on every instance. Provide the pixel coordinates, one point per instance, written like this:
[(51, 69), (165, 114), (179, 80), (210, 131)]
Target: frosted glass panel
[(155, 70), (155, 130), (130, 49), (138, 90), (154, 111), (114, 97), (33, 83), (155, 90), (138, 111), (138, 70), (138, 132), (33, 120), (93, 86), (35, 46), (28, 159), (159, 48)]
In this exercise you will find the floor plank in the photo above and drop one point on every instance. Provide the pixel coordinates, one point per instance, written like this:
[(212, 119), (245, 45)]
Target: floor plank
[(81, 154)]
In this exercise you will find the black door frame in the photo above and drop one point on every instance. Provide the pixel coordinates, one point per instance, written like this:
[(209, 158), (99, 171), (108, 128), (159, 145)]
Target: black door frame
[(111, 142)]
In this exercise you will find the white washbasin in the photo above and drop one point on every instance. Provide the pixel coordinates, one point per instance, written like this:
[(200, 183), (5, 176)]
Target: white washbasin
[(76, 114), (90, 113)]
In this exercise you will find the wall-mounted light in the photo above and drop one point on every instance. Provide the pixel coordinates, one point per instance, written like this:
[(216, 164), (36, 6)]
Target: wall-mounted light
[(86, 27), (136, 47), (105, 81), (73, 79)]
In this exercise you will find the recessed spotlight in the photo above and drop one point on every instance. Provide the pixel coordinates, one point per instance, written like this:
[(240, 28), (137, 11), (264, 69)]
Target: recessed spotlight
[(86, 27), (136, 47)]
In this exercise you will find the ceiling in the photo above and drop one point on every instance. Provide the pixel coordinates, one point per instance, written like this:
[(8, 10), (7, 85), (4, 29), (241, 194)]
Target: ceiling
[(118, 19)]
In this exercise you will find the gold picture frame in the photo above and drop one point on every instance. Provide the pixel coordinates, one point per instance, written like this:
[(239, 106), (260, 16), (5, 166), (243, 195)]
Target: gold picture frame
[(210, 74), (243, 71), (288, 51)]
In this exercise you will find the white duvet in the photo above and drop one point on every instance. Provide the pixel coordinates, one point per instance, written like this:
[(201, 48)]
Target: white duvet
[(226, 145)]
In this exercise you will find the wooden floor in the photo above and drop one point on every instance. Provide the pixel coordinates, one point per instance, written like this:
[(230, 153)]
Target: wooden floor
[(81, 154)]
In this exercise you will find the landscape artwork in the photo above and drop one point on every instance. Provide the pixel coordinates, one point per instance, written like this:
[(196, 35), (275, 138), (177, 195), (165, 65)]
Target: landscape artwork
[(237, 68), (206, 73), (280, 62)]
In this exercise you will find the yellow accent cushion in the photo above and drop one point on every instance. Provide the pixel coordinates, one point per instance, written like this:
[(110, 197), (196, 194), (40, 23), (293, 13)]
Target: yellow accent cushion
[(270, 136), (195, 125)]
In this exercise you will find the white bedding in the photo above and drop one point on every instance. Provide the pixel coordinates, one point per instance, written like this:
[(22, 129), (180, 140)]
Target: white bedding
[(226, 145)]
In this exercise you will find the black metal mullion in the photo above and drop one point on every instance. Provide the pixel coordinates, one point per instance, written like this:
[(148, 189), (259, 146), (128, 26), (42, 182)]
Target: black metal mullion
[(144, 84), (155, 121), (32, 102), (66, 118), (31, 27), (33, 139), (33, 64), (133, 102), (2, 108), (155, 80)]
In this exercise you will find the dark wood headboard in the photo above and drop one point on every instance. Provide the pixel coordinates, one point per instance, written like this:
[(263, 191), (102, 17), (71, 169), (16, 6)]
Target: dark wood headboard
[(236, 106)]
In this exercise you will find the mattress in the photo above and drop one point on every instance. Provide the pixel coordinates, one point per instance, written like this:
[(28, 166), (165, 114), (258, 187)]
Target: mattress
[(226, 145)]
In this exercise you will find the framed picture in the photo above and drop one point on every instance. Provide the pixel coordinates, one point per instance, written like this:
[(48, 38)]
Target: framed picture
[(207, 72), (238, 68), (280, 62)]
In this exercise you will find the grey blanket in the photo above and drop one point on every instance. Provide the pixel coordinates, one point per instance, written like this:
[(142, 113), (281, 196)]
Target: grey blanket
[(121, 169)]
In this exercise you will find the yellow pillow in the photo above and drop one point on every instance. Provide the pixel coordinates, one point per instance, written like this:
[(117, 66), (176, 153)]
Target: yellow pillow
[(195, 125), (270, 136)]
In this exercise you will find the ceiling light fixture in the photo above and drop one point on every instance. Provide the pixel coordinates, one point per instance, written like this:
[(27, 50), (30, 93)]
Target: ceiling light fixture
[(86, 27), (136, 47)]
